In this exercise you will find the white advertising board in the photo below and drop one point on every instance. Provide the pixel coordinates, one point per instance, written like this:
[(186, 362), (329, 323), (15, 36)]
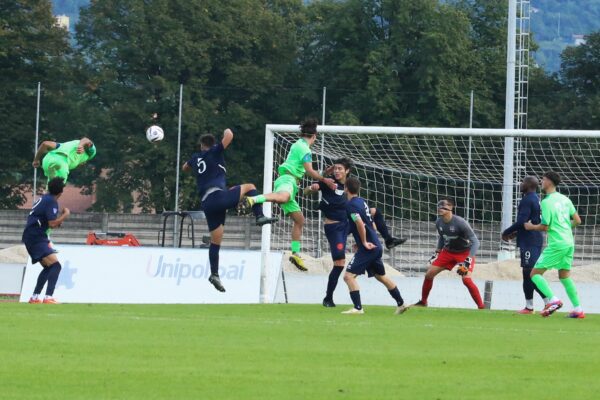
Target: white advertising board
[(106, 274)]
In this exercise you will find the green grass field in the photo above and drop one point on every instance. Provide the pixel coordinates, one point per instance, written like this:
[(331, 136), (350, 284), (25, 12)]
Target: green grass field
[(292, 352)]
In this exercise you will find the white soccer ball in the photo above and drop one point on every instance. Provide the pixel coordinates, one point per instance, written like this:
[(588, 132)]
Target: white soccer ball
[(155, 134)]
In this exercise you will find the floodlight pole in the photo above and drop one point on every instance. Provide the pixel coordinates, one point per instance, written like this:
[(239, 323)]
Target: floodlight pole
[(37, 139), (322, 169), (470, 157), (177, 165)]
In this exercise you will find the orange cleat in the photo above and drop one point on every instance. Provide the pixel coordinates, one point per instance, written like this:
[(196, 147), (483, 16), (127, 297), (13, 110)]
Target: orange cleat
[(525, 311), (576, 314), (50, 300)]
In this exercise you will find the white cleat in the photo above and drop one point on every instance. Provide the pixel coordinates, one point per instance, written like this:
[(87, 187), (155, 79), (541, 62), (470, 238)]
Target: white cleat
[(400, 309), (354, 311)]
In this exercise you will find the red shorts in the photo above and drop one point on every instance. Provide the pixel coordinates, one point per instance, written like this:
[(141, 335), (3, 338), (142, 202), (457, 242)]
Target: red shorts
[(448, 260)]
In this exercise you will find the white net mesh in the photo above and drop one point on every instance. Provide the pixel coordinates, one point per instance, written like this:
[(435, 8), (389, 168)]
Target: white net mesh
[(404, 175)]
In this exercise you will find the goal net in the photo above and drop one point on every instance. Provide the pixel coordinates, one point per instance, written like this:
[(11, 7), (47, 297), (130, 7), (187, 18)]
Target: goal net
[(404, 171)]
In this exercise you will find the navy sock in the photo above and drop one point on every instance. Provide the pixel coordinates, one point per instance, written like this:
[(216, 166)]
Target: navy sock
[(529, 286), (395, 293), (381, 225), (213, 257), (41, 281), (355, 296), (257, 209), (53, 272), (334, 276)]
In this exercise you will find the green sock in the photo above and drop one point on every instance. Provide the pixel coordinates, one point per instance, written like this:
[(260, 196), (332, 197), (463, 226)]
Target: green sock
[(260, 199), (295, 246), (542, 284), (571, 291)]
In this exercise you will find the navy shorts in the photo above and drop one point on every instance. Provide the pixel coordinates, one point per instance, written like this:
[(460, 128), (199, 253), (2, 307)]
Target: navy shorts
[(38, 248), (367, 260), (215, 206), (337, 234), (529, 256)]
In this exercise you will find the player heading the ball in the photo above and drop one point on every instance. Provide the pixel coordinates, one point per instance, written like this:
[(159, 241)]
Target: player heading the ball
[(59, 159)]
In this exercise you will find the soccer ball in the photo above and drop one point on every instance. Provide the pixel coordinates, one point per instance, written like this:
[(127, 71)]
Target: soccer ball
[(155, 134)]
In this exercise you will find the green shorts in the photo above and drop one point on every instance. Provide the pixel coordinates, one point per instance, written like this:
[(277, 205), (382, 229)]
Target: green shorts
[(289, 184), (553, 258), (55, 165)]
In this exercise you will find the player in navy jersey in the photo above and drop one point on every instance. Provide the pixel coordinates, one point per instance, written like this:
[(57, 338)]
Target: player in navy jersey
[(529, 242), (44, 216), (333, 206), (208, 166), (368, 256)]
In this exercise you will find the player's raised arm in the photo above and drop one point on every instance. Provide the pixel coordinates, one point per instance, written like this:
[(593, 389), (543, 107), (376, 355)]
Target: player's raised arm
[(44, 148), (312, 189), (227, 138), (317, 176), (84, 144)]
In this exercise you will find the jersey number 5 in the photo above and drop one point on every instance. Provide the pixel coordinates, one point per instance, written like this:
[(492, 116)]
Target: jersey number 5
[(201, 166)]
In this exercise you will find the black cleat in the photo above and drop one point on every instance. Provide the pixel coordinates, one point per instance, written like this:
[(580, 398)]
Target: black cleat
[(262, 220), (420, 303), (393, 242), (216, 282), (328, 302)]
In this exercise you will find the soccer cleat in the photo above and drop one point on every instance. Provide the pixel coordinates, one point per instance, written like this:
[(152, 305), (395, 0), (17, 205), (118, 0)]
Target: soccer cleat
[(216, 282), (353, 311), (393, 242), (401, 309), (576, 314), (248, 202), (551, 308), (525, 311), (35, 301), (298, 262), (50, 300), (328, 302), (420, 303), (262, 220)]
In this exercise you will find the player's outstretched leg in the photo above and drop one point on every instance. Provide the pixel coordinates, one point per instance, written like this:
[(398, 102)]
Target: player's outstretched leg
[(354, 289), (394, 292), (390, 241), (249, 190), (427, 285)]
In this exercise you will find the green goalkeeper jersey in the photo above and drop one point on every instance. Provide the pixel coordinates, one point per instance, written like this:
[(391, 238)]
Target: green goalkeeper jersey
[(74, 159), (557, 210), (299, 154)]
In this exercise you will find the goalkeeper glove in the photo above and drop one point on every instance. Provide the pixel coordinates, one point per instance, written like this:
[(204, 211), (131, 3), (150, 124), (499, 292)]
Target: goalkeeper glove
[(434, 256), (463, 267)]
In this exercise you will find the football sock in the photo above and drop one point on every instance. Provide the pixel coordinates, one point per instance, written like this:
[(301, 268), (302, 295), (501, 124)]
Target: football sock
[(295, 246), (355, 296), (53, 273), (41, 281), (529, 303), (395, 293), (543, 286), (213, 257), (528, 285), (427, 285), (334, 276), (257, 209), (571, 291), (474, 291), (381, 225), (259, 199)]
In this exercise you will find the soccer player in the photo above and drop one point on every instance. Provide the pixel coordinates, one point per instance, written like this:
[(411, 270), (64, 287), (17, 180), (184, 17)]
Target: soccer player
[(59, 159), (43, 216), (368, 257), (529, 242), (457, 246), (333, 205), (559, 217), (208, 166), (291, 172)]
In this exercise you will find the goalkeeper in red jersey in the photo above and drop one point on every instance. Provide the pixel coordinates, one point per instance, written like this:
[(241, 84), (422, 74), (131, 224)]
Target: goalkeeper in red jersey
[(457, 246)]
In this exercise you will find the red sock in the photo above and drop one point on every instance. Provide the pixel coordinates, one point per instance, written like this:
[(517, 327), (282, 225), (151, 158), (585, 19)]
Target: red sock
[(427, 285), (468, 282)]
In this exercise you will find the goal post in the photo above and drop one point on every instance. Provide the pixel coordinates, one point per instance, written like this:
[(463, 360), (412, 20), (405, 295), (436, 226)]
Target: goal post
[(405, 170)]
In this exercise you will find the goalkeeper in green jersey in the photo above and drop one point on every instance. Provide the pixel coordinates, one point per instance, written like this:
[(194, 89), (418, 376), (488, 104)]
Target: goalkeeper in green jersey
[(291, 172), (61, 158), (559, 217)]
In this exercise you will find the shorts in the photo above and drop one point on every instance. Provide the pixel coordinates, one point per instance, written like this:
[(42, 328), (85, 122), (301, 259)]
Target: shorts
[(530, 256), (55, 165), (337, 233), (553, 258), (215, 206), (288, 184), (38, 248), (367, 260), (448, 260)]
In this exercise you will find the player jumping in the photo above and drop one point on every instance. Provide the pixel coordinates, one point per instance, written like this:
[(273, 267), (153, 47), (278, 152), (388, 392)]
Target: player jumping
[(291, 172), (59, 159), (559, 217), (43, 216), (368, 257), (333, 205), (529, 242), (208, 165), (457, 246)]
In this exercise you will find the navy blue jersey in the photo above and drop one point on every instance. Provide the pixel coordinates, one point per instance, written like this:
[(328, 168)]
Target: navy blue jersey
[(333, 202), (529, 210), (357, 205), (45, 209), (209, 168)]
